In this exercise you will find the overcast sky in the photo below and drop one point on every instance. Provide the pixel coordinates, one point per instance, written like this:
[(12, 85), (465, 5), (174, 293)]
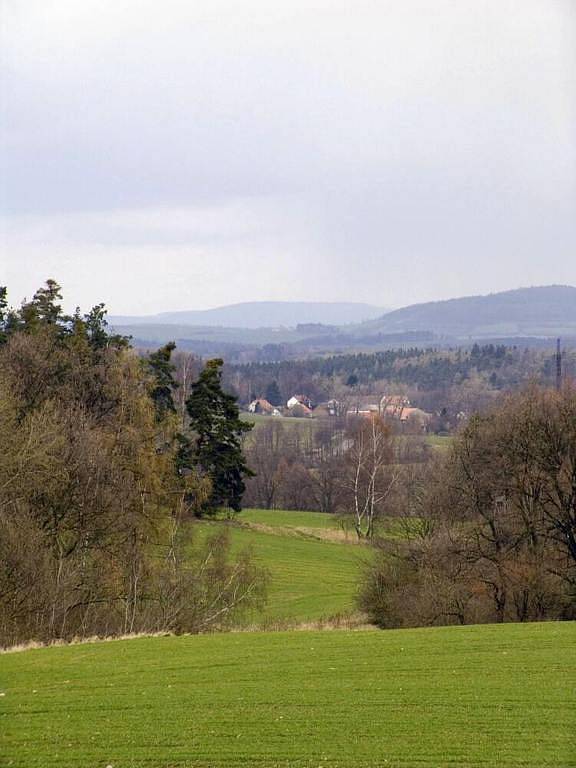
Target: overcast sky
[(191, 153)]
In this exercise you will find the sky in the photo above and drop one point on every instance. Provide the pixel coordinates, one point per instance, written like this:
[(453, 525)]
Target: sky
[(189, 153)]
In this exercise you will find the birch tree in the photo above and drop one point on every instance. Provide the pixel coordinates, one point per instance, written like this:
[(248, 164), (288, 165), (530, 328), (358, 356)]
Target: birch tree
[(369, 476)]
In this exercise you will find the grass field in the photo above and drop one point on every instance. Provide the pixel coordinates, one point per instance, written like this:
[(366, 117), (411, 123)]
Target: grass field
[(306, 423), (310, 577), (313, 563), (440, 441), (436, 441), (459, 697), (290, 422), (290, 518)]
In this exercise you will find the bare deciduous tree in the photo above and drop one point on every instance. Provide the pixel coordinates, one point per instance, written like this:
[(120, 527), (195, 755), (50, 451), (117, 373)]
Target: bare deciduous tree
[(369, 477), (494, 525)]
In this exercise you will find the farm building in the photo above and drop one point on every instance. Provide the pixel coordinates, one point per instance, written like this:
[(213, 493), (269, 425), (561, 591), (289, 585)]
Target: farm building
[(299, 400), (261, 405)]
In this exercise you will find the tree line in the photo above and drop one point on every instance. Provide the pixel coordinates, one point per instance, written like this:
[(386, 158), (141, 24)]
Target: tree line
[(353, 468), (445, 381), (489, 534), (99, 474)]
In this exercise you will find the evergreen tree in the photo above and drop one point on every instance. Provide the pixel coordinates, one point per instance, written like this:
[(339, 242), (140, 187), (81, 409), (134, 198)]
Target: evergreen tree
[(162, 370), (97, 330), (45, 303), (273, 393), (44, 312), (217, 449)]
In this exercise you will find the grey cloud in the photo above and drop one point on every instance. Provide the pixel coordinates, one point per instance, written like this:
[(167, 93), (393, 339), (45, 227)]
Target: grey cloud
[(427, 145)]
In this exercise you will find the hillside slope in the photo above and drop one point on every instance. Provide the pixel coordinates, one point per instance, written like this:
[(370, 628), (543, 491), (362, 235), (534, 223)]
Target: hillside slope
[(542, 311), (453, 697), (313, 568), (532, 314)]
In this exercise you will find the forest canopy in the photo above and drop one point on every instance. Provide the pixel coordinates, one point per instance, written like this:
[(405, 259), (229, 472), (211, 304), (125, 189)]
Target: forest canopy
[(94, 501)]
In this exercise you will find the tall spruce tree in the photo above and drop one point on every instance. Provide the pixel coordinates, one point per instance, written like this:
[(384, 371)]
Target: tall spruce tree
[(45, 303), (217, 449), (160, 366), (97, 332), (44, 312)]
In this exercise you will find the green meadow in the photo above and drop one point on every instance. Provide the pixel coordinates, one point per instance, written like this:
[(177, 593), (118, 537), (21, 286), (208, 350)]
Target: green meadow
[(313, 565), (458, 697), (450, 697)]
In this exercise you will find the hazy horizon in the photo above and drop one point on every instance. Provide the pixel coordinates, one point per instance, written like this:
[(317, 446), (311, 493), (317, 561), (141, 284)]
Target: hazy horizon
[(263, 301), (192, 156), (177, 311)]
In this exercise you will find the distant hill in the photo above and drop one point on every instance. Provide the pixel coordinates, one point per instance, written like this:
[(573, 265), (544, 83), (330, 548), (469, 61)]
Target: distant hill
[(525, 316), (543, 311), (261, 314)]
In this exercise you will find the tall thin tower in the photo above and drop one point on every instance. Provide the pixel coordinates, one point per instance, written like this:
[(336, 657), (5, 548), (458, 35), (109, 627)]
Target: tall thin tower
[(558, 366)]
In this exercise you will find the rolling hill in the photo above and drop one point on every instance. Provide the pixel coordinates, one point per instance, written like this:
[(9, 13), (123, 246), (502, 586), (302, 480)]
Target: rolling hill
[(261, 314), (542, 311), (529, 314)]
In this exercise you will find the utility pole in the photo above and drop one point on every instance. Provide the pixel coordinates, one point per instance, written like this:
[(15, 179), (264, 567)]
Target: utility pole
[(558, 366)]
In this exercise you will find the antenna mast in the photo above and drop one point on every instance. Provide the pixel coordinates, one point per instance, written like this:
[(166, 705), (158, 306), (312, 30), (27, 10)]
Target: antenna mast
[(558, 366)]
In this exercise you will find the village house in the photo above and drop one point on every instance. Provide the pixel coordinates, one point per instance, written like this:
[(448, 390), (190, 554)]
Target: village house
[(397, 408), (330, 408), (299, 400), (415, 418), (300, 410), (393, 405), (365, 411), (364, 405), (263, 407)]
